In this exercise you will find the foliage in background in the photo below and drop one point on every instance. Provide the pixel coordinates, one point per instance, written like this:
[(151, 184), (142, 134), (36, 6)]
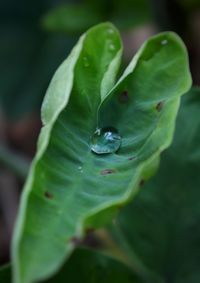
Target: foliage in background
[(76, 18), (28, 56)]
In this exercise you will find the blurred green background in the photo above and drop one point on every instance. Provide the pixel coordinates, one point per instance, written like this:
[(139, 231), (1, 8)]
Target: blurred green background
[(35, 37)]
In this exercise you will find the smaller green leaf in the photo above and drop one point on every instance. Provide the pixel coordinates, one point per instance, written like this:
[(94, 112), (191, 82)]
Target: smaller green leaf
[(70, 18)]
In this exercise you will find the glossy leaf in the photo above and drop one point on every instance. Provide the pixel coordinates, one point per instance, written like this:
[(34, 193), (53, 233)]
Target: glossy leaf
[(160, 229), (69, 187)]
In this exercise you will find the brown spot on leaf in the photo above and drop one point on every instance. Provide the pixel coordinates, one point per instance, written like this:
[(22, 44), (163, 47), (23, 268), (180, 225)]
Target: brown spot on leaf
[(123, 97), (48, 195), (142, 183), (108, 171), (132, 158), (159, 106)]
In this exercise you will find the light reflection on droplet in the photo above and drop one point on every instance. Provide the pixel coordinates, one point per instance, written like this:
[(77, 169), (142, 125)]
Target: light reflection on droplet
[(86, 62), (105, 140), (164, 42)]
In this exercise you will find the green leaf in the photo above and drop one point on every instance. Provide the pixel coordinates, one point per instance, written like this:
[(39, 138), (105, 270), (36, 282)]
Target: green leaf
[(160, 229), (70, 18), (68, 186)]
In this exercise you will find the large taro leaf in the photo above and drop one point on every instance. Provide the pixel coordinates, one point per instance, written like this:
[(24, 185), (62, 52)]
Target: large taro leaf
[(69, 186), (160, 230)]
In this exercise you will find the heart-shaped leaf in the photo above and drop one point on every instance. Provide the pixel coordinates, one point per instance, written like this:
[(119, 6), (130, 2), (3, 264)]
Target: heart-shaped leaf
[(160, 229), (69, 187)]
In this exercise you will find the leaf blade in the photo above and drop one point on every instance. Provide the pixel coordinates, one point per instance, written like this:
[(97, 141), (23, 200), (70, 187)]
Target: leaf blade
[(66, 185)]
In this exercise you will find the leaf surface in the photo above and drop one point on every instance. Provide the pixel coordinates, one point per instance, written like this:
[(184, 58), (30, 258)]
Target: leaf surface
[(69, 187)]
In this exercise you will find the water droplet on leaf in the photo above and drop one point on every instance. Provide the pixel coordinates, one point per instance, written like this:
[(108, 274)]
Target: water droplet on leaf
[(110, 31), (86, 62), (164, 42), (80, 169), (111, 47), (105, 140)]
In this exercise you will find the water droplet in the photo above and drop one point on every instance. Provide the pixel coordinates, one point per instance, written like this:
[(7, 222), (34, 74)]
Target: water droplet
[(110, 31), (164, 41), (86, 62), (105, 140), (80, 169), (111, 47)]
